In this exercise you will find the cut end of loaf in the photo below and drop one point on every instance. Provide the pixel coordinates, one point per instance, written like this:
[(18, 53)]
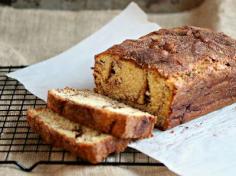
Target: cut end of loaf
[(125, 81)]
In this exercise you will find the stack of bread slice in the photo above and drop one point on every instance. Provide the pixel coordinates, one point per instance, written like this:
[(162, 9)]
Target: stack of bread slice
[(88, 124), (175, 74)]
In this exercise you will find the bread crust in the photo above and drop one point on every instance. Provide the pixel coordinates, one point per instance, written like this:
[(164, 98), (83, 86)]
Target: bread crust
[(94, 153), (118, 125), (175, 51), (198, 62), (201, 96)]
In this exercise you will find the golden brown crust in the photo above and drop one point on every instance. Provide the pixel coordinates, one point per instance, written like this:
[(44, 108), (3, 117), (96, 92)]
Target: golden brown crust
[(194, 114), (94, 152), (202, 95), (176, 51), (118, 125)]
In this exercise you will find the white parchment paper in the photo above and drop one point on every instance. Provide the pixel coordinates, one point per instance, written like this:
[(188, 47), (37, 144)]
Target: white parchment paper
[(205, 146)]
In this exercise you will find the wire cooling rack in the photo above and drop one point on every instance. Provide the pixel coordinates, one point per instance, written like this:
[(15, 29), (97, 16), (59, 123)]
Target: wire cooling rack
[(23, 148)]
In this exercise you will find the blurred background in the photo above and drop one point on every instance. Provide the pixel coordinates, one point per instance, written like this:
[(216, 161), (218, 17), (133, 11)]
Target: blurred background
[(35, 30), (151, 6)]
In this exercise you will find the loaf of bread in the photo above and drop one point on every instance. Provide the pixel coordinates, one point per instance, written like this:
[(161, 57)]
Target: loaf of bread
[(176, 74), (101, 113), (84, 142)]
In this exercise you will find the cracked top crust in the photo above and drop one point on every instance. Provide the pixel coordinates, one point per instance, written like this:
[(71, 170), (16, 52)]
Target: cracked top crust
[(179, 50)]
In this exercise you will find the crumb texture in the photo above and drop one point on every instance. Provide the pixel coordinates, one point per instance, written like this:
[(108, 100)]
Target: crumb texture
[(89, 98)]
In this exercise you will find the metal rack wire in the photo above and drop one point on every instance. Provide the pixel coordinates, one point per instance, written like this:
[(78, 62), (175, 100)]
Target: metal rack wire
[(22, 147)]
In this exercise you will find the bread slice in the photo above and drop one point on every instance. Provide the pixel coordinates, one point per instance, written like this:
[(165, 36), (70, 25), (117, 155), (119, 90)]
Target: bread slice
[(84, 142), (101, 113)]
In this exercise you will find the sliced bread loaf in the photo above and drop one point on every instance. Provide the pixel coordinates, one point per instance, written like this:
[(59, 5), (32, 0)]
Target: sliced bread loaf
[(175, 74), (84, 142), (101, 113)]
